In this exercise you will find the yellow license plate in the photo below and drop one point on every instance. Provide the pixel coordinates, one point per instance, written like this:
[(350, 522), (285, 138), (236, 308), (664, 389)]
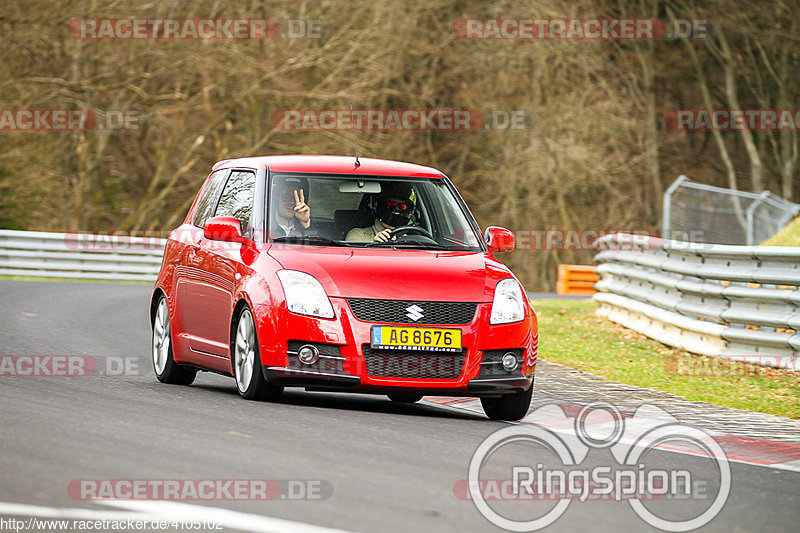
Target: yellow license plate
[(412, 338)]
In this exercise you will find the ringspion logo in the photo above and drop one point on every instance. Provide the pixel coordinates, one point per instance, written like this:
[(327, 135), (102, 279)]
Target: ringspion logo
[(555, 468)]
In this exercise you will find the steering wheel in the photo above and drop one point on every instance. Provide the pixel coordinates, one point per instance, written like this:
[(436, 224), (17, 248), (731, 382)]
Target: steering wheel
[(402, 231)]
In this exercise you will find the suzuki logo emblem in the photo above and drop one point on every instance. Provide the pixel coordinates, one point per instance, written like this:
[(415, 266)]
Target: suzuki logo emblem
[(414, 312)]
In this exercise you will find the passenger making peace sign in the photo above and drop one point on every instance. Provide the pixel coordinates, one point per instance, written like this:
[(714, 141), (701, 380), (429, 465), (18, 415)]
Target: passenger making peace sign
[(292, 215)]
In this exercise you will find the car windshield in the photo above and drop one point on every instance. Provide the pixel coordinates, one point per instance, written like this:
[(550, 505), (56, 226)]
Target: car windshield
[(394, 212)]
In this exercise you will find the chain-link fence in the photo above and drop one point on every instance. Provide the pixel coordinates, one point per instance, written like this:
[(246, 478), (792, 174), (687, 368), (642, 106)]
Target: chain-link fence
[(703, 213)]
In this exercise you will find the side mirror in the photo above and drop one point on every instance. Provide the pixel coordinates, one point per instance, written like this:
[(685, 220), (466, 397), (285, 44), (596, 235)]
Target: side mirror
[(499, 239), (223, 229)]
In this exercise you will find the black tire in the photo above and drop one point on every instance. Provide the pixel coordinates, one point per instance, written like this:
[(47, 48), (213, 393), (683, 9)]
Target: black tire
[(508, 407), (164, 365), (405, 398), (250, 382)]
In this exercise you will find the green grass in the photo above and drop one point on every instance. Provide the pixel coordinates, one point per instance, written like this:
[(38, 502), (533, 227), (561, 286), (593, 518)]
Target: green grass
[(788, 236), (571, 334)]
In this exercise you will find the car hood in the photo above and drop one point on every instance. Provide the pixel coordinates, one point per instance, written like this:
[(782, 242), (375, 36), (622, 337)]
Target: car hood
[(396, 274)]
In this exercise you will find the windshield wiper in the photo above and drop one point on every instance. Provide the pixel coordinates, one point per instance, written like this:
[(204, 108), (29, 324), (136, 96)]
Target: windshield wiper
[(309, 239), (418, 245)]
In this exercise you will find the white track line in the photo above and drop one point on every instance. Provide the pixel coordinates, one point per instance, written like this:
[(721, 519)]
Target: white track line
[(23, 509)]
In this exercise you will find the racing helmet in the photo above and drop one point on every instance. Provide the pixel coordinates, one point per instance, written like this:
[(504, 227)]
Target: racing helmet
[(394, 204)]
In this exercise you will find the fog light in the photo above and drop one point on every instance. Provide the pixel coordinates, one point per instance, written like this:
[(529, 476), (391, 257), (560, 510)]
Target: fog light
[(510, 361), (308, 354)]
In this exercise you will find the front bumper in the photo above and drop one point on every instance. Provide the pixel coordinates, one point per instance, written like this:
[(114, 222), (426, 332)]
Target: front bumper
[(343, 367), (311, 380), (508, 385)]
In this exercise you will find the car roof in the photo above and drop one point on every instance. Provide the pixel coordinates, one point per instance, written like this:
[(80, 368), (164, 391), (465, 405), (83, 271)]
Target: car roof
[(331, 164)]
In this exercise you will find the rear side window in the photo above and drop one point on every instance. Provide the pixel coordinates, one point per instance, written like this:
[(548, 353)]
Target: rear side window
[(209, 197), (237, 197)]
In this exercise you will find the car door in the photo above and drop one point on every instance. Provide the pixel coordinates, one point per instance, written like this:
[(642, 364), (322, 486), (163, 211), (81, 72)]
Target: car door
[(210, 298), (188, 239)]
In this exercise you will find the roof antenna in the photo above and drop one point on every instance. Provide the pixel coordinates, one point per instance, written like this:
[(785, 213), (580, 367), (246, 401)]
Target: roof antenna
[(355, 141)]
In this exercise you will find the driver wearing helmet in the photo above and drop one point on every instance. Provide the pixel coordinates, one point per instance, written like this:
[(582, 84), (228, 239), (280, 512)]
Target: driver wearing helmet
[(394, 208)]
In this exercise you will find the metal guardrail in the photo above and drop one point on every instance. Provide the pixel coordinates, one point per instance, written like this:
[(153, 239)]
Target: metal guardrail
[(80, 256), (711, 299)]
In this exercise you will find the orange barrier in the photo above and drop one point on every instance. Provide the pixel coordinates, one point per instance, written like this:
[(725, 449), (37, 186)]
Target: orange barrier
[(576, 279)]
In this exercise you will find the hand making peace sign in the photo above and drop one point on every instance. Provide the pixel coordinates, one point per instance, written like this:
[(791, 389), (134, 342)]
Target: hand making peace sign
[(301, 210)]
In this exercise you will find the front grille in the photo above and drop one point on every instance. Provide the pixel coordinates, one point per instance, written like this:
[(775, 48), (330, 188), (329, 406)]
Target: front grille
[(413, 364), (395, 311)]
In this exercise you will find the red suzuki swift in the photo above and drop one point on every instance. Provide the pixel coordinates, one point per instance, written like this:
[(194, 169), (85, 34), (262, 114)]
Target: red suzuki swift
[(334, 274)]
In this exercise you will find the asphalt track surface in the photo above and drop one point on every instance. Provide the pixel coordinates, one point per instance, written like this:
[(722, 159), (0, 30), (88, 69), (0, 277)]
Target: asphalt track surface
[(383, 466)]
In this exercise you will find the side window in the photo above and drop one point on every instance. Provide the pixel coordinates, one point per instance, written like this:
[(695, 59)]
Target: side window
[(208, 200), (237, 197)]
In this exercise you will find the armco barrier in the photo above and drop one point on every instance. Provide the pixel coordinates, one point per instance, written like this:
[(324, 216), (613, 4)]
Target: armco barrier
[(80, 256), (711, 299)]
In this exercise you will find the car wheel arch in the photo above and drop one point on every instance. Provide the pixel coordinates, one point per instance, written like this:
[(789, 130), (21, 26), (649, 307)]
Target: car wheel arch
[(241, 303), (157, 294)]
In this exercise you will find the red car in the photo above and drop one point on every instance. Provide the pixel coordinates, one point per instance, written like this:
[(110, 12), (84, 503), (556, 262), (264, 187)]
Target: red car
[(335, 274)]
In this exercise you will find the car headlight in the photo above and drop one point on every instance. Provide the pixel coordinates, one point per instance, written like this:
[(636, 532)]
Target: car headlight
[(304, 294), (509, 303)]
